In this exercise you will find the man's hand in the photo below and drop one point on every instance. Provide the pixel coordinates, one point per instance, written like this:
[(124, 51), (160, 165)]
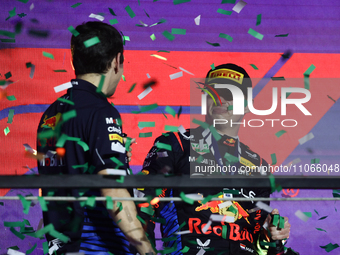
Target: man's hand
[(128, 153), (275, 233)]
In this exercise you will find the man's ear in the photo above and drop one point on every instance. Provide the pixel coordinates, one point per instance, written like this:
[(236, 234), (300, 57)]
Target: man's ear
[(115, 63)]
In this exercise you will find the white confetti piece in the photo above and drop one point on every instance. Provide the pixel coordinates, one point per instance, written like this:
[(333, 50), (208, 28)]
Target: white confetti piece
[(201, 252), (162, 154), (14, 252), (32, 71), (217, 217), (62, 87), (185, 71), (28, 148), (158, 56), (111, 171), (148, 75), (306, 138), (117, 147), (176, 75), (32, 6), (198, 20), (264, 206), (206, 227), (194, 196), (239, 6), (98, 17), (145, 25), (138, 193), (144, 93), (225, 204), (301, 216), (183, 232), (201, 144)]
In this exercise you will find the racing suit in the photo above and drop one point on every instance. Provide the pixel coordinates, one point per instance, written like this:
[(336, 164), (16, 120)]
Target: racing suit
[(238, 237)]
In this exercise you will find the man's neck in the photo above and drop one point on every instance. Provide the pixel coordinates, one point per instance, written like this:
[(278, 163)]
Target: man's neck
[(92, 78)]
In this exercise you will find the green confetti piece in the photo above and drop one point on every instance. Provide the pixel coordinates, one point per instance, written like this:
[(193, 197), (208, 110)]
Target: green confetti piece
[(315, 161), (117, 161), (224, 231), (230, 107), (153, 37), (213, 44), (132, 87), (306, 81), (320, 229), (69, 115), (23, 1), (163, 51), (21, 15), (14, 248), (170, 128), (14, 224), (273, 244), (130, 11), (2, 203), (179, 112), (278, 78), (8, 75), (75, 5), (316, 212), (258, 19), (121, 179), (185, 249), (255, 34), (309, 70), (168, 35), (29, 251), (38, 33), (120, 206), (215, 134), (84, 145), (18, 28), (146, 14), (113, 21), (225, 36), (231, 191), (91, 201), (322, 218), (331, 98), (45, 247), (281, 222), (274, 160), (201, 123), (282, 35), (18, 234), (92, 41), (25, 204), (11, 98), (43, 204), (7, 40), (164, 146), (308, 214), (11, 13), (6, 130), (148, 210), (7, 33), (59, 235), (10, 116), (112, 12), (233, 210), (186, 199), (47, 55), (230, 158), (171, 111), (28, 64), (141, 220), (280, 133), (228, 1), (60, 71), (143, 124), (225, 12), (109, 203), (119, 221), (178, 31), (212, 66), (329, 247), (168, 239), (181, 1), (145, 135), (65, 101), (73, 31)]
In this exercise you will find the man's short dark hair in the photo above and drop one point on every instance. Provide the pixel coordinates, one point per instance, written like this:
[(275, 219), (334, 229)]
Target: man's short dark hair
[(97, 58)]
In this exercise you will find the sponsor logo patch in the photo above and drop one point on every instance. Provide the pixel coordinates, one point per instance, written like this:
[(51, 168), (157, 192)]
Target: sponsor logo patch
[(52, 121), (196, 147), (114, 129), (114, 137), (230, 142), (227, 74), (254, 156)]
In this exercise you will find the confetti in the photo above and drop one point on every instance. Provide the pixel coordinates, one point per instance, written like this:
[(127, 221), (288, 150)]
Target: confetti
[(144, 93), (255, 34), (130, 11), (307, 74), (148, 75), (228, 1), (306, 138), (322, 218), (158, 56), (75, 5), (7, 40), (25, 204), (331, 98), (258, 19), (176, 75), (62, 87), (180, 1), (143, 124), (153, 37), (117, 161), (11, 98), (91, 42), (213, 44), (185, 70), (146, 108), (280, 133), (329, 247), (239, 6), (132, 87), (171, 111), (29, 251), (168, 35), (264, 206), (112, 12), (198, 20), (164, 146), (12, 13), (98, 17), (39, 33), (278, 78), (178, 31), (14, 252), (65, 101), (73, 31), (7, 33), (171, 128), (8, 75), (10, 116), (302, 216), (254, 66), (6, 131), (145, 135), (225, 36), (225, 12), (186, 199), (274, 160), (48, 55), (282, 35)]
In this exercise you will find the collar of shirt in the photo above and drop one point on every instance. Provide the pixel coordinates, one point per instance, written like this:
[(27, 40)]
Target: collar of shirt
[(78, 84)]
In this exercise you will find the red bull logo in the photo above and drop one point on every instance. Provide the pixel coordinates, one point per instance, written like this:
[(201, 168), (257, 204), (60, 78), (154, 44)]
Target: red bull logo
[(212, 205), (230, 142), (52, 121)]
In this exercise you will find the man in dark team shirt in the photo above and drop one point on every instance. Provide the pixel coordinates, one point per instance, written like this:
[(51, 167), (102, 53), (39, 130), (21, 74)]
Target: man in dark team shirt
[(241, 230), (84, 125)]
